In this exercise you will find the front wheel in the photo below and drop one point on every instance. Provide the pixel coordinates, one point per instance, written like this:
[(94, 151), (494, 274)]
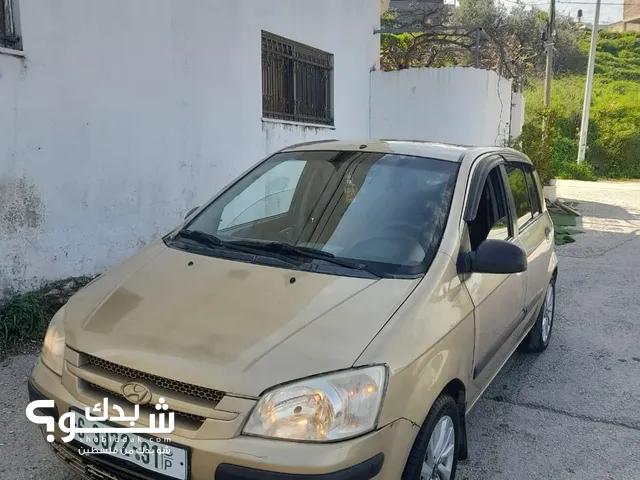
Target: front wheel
[(538, 338), (434, 455)]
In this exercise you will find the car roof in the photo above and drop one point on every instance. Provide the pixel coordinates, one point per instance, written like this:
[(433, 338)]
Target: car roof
[(440, 151)]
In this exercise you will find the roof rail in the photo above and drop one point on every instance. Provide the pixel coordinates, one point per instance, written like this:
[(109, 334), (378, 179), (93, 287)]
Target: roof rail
[(304, 144)]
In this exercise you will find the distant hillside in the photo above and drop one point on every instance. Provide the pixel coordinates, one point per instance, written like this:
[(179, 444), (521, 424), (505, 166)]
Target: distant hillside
[(614, 132), (617, 56)]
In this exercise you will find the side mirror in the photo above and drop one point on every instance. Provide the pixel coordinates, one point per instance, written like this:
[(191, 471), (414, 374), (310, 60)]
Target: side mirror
[(494, 256), (190, 212)]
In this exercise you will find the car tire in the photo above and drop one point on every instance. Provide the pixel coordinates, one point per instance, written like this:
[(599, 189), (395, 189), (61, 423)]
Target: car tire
[(538, 338), (442, 421)]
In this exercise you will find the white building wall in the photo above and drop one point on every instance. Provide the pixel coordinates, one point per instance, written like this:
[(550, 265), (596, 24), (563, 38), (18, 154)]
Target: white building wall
[(455, 105), (517, 114), (124, 114)]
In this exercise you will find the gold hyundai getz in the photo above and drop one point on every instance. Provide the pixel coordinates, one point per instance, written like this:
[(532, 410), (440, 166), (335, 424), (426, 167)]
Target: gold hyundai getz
[(334, 313)]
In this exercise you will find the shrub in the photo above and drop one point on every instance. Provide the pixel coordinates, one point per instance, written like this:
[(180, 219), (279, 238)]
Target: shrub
[(577, 171), (539, 149), (23, 318)]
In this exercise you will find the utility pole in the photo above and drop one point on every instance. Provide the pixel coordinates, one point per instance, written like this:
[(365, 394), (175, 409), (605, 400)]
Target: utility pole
[(584, 127), (549, 44)]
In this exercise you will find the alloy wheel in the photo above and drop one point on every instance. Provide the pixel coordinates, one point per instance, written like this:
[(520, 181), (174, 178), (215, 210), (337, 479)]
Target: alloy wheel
[(438, 463)]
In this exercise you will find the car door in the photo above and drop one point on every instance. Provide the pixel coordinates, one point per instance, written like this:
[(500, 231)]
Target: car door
[(534, 230), (498, 299)]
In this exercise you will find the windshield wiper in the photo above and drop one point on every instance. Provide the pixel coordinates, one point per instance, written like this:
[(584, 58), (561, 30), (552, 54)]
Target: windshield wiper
[(200, 238), (212, 241), (313, 253)]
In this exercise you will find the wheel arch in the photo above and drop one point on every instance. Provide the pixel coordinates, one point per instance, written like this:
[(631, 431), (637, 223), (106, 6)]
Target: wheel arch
[(457, 390)]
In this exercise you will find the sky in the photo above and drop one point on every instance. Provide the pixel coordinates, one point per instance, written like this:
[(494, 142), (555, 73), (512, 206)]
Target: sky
[(610, 10)]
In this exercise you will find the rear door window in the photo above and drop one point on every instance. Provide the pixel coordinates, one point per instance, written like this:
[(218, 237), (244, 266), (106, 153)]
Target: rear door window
[(520, 191), (501, 228), (534, 191)]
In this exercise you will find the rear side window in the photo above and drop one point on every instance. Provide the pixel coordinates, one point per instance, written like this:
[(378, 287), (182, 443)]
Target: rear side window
[(520, 190)]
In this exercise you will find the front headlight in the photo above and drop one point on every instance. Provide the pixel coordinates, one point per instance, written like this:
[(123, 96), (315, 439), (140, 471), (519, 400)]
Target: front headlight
[(53, 348), (321, 409)]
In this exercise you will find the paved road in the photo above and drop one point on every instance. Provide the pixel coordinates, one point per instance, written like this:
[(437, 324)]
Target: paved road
[(574, 411), (571, 413)]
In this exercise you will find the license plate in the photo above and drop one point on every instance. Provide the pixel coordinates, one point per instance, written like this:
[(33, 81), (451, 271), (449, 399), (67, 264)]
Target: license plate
[(153, 455)]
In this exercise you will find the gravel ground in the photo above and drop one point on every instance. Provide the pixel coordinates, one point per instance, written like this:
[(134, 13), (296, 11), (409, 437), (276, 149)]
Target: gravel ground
[(570, 413)]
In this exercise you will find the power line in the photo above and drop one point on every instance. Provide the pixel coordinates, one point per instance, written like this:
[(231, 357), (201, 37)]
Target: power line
[(601, 3), (568, 2)]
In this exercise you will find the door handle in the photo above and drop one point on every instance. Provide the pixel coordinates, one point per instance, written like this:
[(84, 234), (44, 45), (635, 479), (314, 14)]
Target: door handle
[(547, 232)]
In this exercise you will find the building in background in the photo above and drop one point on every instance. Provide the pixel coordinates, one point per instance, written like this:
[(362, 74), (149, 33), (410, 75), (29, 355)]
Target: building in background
[(630, 17), (420, 12), (409, 5)]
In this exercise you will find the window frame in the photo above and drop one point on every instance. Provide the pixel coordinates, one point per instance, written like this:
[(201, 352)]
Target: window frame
[(9, 25), (290, 209), (526, 168), (483, 166), (285, 84), (481, 170), (537, 186), (507, 205)]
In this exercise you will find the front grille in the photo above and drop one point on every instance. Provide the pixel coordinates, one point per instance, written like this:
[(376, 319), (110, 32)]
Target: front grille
[(187, 416), (207, 394)]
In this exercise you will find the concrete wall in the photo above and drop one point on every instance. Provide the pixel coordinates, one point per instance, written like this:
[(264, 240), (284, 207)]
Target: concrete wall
[(631, 11), (122, 115), (455, 105), (517, 114)]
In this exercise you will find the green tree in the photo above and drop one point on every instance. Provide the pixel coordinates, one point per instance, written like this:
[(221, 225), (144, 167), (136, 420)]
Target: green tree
[(419, 40), (516, 48)]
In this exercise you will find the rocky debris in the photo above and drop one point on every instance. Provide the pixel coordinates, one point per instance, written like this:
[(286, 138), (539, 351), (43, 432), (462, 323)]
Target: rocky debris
[(58, 293)]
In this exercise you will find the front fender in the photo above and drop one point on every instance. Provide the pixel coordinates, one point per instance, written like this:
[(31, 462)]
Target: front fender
[(428, 343), (412, 391), (553, 262)]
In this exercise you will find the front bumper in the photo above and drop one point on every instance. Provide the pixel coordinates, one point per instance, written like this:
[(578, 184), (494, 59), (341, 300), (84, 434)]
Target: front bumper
[(381, 454), (363, 471)]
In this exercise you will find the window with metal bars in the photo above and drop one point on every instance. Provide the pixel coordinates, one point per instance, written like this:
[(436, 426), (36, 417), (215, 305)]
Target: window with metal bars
[(8, 35), (297, 81)]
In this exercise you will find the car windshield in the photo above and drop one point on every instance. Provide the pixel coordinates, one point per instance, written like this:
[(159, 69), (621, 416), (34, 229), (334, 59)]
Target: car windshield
[(383, 212)]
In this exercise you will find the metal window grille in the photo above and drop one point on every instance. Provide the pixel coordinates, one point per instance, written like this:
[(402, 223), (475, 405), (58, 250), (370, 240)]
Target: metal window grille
[(297, 81), (8, 37)]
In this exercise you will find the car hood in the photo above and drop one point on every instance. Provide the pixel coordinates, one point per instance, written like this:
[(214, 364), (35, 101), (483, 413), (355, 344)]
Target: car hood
[(227, 325)]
